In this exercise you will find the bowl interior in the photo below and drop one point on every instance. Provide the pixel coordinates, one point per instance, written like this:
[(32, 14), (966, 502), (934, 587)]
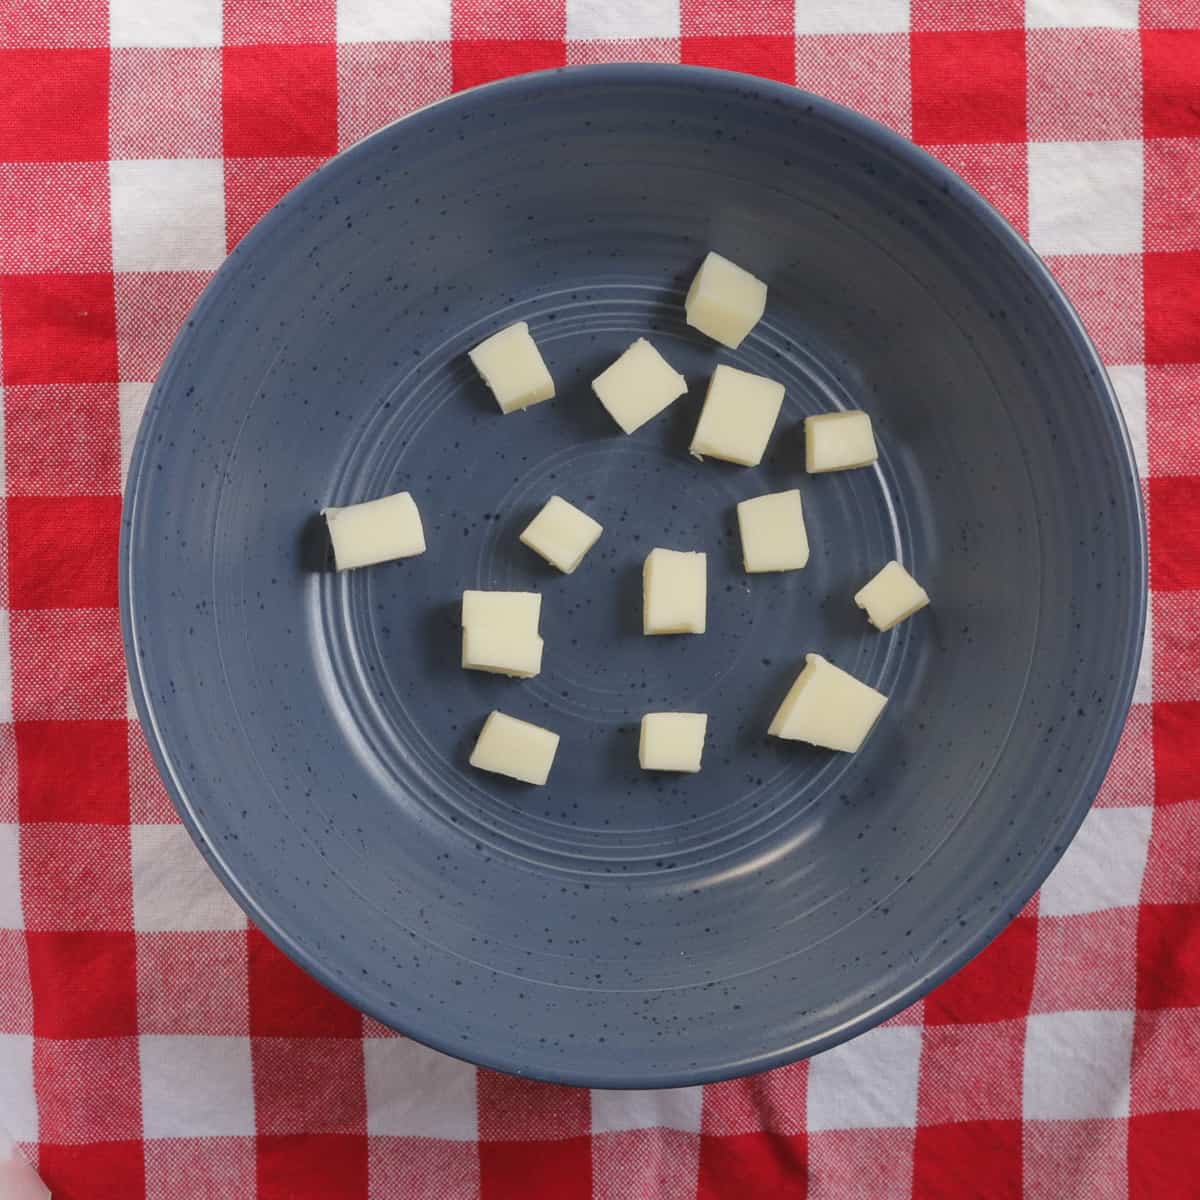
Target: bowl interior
[(615, 927)]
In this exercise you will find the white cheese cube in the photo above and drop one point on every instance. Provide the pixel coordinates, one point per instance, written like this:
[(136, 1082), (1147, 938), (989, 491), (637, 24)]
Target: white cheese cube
[(838, 441), (517, 612), (562, 534), (827, 707), (501, 651), (507, 746), (725, 301), (375, 531), (674, 592), (500, 632), (512, 366), (672, 741), (740, 411), (638, 386), (891, 597), (773, 533)]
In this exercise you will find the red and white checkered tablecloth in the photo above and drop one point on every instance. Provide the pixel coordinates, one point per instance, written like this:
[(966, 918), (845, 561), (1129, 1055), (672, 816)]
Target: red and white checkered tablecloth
[(151, 1043)]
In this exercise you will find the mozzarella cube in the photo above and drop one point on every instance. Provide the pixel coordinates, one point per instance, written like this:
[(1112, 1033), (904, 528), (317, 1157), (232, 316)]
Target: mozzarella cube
[(518, 612), (672, 741), (725, 301), (500, 633), (740, 411), (891, 597), (674, 592), (512, 366), (773, 533), (562, 534), (827, 707), (507, 746), (638, 386), (839, 441), (375, 531)]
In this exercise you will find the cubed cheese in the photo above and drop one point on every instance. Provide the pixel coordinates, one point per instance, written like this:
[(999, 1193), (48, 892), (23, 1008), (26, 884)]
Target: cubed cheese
[(500, 632), (518, 749), (725, 301), (672, 741), (891, 597), (562, 534), (828, 707), (674, 592), (519, 612), (638, 386), (740, 411), (839, 441), (375, 531), (773, 533), (512, 366)]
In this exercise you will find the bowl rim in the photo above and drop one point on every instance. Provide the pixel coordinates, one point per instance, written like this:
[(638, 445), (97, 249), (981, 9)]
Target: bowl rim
[(1126, 474)]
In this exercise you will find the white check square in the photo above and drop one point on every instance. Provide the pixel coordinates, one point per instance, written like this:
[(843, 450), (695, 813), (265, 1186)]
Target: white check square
[(852, 16), (1103, 866), (11, 914), (168, 214), (413, 1091), (1085, 197), (1096, 14), (604, 20), (665, 1108), (397, 21), (196, 1087), (1077, 1065), (177, 23), (18, 1105), (6, 686), (867, 1083), (173, 887), (1129, 382)]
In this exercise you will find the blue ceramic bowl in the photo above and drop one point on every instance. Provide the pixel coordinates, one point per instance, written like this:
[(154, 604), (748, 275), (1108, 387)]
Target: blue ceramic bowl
[(616, 928)]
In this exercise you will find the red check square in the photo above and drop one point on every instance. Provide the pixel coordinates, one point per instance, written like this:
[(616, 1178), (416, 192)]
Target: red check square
[(996, 985), (1000, 173), (73, 771), (1086, 961), (1172, 168), (1172, 83), (486, 20), (1130, 778), (736, 18), (1084, 84), (62, 551), (381, 81), (58, 329), (311, 1166), (556, 1170), (149, 803), (193, 983), (1173, 861), (1177, 644), (288, 1002), (16, 995), (480, 60), (969, 86), (9, 803), (184, 121), (752, 1166), (1164, 1156), (976, 14), (774, 1101), (1173, 416), (1176, 763), (1074, 1158), (67, 664), (1099, 285), (1168, 955), (867, 71), (97, 1170), (63, 440), (89, 1089), (645, 1162), (952, 1161), (252, 187), (54, 105), (84, 984), (1175, 533), (309, 1085), (1166, 1061), (56, 217), (280, 101), (756, 54), (421, 1168), (52, 23), (859, 1164), (1173, 306), (76, 877)]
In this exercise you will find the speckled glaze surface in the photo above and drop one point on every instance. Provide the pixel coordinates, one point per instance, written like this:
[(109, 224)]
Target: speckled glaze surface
[(616, 928)]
